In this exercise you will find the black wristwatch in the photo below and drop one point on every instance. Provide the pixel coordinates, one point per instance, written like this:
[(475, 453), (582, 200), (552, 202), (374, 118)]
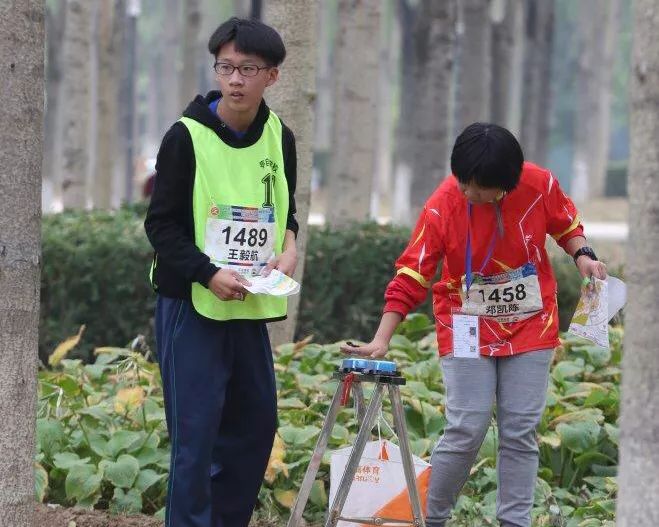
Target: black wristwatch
[(585, 251)]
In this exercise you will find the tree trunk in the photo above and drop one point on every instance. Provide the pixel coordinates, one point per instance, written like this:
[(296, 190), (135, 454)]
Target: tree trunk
[(474, 63), (21, 130), (513, 117), (433, 59), (191, 52), (536, 100), (503, 47), (170, 57), (55, 20), (603, 115), (355, 112), (292, 99), (109, 37), (388, 72), (592, 18), (405, 129), (75, 104), (425, 123), (638, 476)]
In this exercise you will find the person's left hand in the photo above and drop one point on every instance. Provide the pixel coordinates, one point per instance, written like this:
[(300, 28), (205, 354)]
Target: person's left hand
[(284, 263), (589, 268)]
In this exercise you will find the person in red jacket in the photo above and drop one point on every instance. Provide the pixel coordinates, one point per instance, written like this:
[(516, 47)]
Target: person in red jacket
[(495, 309)]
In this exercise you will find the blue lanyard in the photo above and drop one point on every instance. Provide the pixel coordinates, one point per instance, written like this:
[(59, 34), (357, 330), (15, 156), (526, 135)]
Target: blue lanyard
[(497, 232)]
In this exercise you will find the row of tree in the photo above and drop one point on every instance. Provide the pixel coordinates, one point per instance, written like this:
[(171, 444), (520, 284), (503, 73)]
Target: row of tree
[(396, 80)]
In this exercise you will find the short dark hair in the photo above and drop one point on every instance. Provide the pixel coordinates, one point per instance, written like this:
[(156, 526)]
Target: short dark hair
[(488, 155), (250, 37)]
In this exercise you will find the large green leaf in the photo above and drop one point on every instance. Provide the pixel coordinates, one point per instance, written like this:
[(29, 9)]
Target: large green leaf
[(82, 481), (40, 482), (147, 478), (65, 460), (318, 495), (122, 473), (126, 502), (579, 436), (124, 441), (298, 436), (50, 436)]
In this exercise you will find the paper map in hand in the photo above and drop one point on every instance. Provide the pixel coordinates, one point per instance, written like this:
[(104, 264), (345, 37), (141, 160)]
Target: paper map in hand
[(275, 284), (596, 307)]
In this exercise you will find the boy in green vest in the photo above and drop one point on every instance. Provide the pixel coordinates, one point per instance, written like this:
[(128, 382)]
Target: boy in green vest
[(222, 211)]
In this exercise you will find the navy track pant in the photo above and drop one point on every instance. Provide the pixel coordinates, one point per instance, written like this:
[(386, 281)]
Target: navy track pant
[(221, 408)]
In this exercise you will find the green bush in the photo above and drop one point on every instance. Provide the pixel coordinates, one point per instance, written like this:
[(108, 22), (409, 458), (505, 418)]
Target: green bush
[(94, 272), (95, 268)]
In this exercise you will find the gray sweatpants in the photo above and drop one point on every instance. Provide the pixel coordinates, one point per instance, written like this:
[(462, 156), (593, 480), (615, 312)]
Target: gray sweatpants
[(519, 386)]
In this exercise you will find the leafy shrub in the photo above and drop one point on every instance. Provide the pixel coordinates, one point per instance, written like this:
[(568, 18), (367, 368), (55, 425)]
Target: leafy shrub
[(95, 268), (102, 440)]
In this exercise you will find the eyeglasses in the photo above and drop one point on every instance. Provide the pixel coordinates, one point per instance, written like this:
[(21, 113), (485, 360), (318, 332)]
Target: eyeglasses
[(246, 70)]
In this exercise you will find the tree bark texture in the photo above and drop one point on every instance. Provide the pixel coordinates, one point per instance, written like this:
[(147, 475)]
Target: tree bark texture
[(355, 112), (588, 166), (474, 63), (191, 52), (292, 98), (21, 129), (110, 23), (75, 104), (638, 476), (536, 96)]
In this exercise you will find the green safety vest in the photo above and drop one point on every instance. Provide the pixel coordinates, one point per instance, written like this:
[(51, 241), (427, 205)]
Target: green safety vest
[(241, 196)]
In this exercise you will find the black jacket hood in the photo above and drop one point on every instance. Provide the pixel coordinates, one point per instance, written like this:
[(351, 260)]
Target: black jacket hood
[(199, 111)]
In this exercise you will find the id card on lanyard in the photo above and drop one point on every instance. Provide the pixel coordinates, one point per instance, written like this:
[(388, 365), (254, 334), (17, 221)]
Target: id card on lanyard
[(507, 297)]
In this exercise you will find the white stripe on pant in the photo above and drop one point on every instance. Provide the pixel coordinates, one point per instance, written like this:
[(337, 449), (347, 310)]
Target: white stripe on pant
[(519, 385)]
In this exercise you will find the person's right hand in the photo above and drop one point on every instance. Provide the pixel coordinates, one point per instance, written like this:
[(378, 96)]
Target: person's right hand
[(376, 349), (228, 285)]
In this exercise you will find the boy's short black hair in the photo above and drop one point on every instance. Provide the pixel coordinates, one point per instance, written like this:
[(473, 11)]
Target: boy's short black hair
[(487, 155), (250, 37)]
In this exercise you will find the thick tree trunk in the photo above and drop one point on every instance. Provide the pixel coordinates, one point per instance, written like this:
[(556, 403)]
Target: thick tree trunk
[(638, 476), (110, 22), (433, 48), (474, 63), (603, 115), (191, 52), (355, 112), (292, 99), (388, 72), (536, 98), (169, 61), (75, 104), (592, 18), (21, 129), (503, 46), (404, 157), (425, 123), (55, 20)]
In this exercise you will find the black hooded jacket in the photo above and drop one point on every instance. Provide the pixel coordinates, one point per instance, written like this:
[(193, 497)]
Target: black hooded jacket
[(169, 221)]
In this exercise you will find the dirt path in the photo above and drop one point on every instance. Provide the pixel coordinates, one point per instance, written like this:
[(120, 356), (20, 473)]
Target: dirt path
[(56, 516)]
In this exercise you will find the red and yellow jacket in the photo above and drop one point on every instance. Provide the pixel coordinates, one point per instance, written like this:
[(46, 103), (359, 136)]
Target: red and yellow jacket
[(535, 208)]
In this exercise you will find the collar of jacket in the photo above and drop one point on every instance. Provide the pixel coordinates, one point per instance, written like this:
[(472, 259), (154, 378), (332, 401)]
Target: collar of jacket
[(199, 111)]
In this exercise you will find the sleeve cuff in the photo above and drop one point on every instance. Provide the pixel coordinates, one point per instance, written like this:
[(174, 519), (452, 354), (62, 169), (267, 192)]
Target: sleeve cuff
[(206, 273), (396, 306)]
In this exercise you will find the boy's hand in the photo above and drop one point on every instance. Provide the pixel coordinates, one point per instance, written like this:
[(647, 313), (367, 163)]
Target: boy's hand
[(228, 285), (376, 349), (588, 268), (285, 263)]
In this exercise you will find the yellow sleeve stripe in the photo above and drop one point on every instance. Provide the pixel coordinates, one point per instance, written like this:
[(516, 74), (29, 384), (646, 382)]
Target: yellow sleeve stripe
[(418, 238), (573, 225), (418, 277)]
